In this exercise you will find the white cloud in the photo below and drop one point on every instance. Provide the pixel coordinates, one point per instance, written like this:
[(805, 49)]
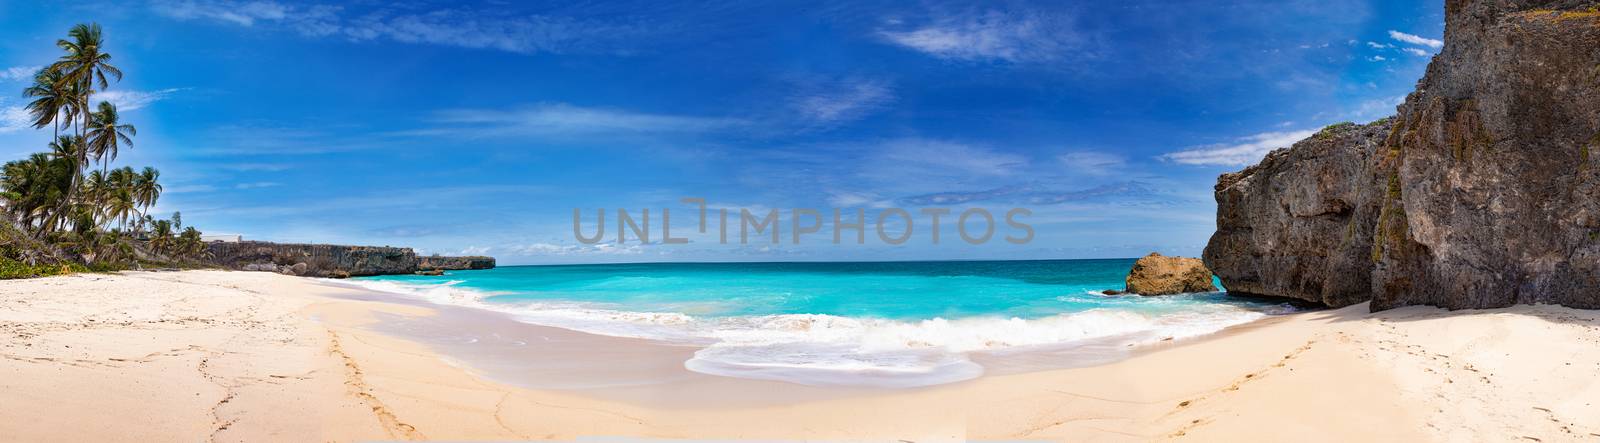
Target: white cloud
[(1379, 107), (842, 101), (1416, 52), (246, 167), (1415, 39), (14, 118), (565, 119), (934, 157), (131, 100), (1092, 162), (852, 199), (1242, 152), (18, 73), (449, 27), (1376, 45), (989, 37), (256, 185), (242, 13), (1377, 58)]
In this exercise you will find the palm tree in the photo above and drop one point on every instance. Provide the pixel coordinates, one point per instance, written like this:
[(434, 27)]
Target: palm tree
[(96, 192), (35, 187), (71, 151), (52, 97), (146, 188), (189, 243), (106, 134), (85, 64), (120, 207), (70, 147), (161, 235), (123, 199)]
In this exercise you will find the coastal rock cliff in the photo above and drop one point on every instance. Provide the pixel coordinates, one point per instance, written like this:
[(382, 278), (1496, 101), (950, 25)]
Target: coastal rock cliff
[(455, 263), (314, 260), (1300, 223), (1483, 191)]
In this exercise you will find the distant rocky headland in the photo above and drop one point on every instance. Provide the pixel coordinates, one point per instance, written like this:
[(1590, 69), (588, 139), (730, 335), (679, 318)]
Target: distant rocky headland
[(1482, 192), (335, 261)]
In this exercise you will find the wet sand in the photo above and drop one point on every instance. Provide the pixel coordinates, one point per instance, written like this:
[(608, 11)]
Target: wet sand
[(231, 356)]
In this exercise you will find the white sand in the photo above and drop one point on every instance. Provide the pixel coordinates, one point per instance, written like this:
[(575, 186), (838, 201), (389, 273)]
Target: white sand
[(233, 356)]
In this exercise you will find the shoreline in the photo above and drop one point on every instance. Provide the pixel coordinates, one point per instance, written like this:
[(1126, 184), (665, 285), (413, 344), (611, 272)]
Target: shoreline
[(211, 354), (882, 353)]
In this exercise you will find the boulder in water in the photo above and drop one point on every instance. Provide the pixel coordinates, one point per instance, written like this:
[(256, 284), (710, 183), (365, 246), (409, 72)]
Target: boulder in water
[(1156, 274)]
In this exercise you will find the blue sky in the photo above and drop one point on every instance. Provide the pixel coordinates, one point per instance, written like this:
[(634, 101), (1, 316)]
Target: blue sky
[(477, 128)]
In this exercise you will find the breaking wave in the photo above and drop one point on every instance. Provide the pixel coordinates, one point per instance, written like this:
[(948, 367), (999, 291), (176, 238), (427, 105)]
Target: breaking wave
[(819, 349)]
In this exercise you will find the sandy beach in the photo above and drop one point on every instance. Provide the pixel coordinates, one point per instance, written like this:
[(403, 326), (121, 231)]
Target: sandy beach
[(238, 356)]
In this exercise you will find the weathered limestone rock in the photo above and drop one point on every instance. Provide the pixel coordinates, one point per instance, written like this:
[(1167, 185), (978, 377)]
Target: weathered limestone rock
[(313, 260), (1482, 192), (455, 263), (1300, 223), (1156, 274), (337, 261)]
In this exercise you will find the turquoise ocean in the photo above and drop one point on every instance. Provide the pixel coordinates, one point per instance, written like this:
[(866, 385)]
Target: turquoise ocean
[(853, 323)]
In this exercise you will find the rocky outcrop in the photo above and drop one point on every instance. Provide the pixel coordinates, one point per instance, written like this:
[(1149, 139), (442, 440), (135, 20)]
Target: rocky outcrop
[(339, 261), (433, 262), (1300, 224), (314, 260), (1482, 192), (1156, 274)]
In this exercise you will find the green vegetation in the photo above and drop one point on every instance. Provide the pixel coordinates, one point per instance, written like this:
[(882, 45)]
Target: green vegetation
[(1391, 219), (10, 269), (1328, 132), (56, 217)]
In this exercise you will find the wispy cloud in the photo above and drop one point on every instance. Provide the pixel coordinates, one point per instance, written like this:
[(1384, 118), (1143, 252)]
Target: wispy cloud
[(278, 139), (1092, 162), (18, 73), (1376, 45), (1034, 194), (565, 119), (370, 203), (1416, 39), (936, 157), (992, 36), (1416, 52), (14, 118), (1244, 151), (460, 27), (1378, 107), (249, 167), (244, 13), (841, 101), (130, 100), (256, 185)]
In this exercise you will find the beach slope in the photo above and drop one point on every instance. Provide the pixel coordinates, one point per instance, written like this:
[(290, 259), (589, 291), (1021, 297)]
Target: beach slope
[(235, 356)]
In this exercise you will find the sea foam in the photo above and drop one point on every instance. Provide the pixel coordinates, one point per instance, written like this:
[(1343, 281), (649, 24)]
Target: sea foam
[(819, 349)]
